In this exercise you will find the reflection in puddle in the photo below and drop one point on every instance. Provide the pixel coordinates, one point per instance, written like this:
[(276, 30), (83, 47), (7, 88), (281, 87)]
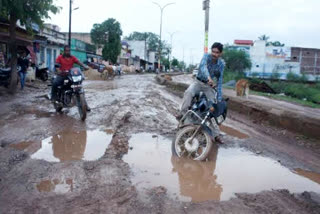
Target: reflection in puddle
[(67, 146), (56, 186), (308, 174), (230, 171), (233, 132)]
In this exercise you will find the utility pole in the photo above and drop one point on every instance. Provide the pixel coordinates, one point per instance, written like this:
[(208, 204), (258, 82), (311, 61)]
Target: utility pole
[(70, 12), (206, 8), (161, 12), (170, 54)]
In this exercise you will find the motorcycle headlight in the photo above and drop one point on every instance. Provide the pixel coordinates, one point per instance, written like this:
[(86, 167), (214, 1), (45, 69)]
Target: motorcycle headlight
[(76, 78)]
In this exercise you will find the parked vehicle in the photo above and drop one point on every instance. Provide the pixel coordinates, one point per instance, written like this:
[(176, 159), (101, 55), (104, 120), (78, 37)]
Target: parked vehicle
[(5, 75), (71, 93), (100, 67), (199, 127), (195, 72), (41, 72)]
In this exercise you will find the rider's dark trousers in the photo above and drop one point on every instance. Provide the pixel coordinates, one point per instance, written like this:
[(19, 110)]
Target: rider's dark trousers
[(56, 82)]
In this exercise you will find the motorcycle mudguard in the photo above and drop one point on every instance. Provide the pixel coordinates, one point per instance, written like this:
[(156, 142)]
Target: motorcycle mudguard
[(206, 129)]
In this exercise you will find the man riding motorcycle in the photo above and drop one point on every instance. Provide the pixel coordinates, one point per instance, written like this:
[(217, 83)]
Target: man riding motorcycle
[(211, 67), (66, 61)]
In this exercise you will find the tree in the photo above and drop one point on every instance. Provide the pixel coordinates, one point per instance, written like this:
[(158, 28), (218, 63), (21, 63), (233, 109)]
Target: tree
[(264, 37), (236, 60), (182, 65), (175, 62), (151, 39), (275, 43), (28, 12), (108, 35)]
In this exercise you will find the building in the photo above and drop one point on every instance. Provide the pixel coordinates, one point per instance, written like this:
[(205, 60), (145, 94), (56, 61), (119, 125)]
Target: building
[(268, 60), (48, 51), (86, 37), (23, 40)]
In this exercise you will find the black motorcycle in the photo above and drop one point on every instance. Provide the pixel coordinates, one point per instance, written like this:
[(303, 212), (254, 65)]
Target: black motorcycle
[(71, 93), (199, 127), (5, 75), (41, 73)]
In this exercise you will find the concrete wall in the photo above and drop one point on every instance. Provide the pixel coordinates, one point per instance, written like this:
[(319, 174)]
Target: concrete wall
[(269, 59)]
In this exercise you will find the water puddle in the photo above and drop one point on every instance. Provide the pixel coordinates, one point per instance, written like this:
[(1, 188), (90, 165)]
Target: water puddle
[(308, 174), (68, 146), (233, 132), (21, 146), (230, 171), (56, 186)]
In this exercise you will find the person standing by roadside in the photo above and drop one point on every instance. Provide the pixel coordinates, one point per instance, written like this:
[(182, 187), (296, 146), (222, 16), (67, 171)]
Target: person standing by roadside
[(119, 69), (23, 62)]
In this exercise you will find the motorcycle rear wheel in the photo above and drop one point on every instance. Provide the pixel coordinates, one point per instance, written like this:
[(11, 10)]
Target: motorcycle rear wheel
[(82, 107), (202, 138)]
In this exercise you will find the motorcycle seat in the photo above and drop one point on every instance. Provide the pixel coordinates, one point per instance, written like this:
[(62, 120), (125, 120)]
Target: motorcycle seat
[(5, 70)]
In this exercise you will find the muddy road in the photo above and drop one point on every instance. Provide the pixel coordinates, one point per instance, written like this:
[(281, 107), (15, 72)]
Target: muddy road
[(119, 160)]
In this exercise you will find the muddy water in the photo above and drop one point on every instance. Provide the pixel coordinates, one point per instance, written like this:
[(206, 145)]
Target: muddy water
[(233, 132), (68, 146), (232, 170), (56, 186)]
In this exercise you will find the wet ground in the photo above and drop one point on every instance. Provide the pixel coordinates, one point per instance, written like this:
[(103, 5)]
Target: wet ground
[(120, 161)]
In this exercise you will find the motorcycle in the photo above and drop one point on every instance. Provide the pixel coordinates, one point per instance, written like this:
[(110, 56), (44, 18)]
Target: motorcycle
[(199, 127), (41, 72), (71, 93), (5, 75)]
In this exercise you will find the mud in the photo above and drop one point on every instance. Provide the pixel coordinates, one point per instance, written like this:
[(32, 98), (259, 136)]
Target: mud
[(44, 167)]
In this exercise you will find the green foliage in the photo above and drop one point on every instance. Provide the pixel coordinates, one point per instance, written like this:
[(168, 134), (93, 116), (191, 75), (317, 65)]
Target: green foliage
[(275, 43), (108, 35), (28, 11), (264, 37), (230, 75), (174, 62), (293, 77), (298, 90), (182, 65), (165, 62), (236, 60), (152, 41), (275, 75)]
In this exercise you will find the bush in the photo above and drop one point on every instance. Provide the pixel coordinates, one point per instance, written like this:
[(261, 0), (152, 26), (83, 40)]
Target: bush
[(231, 75), (293, 77), (304, 78), (278, 87), (275, 75), (236, 60)]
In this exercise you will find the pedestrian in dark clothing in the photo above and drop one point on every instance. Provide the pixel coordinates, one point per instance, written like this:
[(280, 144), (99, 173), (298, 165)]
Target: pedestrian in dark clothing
[(23, 62)]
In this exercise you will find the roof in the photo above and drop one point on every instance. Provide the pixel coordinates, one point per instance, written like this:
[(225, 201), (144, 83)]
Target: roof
[(243, 42)]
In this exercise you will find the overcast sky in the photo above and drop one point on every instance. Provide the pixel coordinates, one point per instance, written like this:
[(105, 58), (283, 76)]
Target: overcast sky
[(293, 22)]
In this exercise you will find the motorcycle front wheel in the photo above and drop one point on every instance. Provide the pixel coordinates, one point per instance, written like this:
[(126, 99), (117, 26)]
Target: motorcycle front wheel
[(197, 149), (82, 107), (44, 77)]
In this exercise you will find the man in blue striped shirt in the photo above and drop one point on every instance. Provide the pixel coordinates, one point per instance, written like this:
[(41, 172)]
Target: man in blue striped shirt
[(210, 69)]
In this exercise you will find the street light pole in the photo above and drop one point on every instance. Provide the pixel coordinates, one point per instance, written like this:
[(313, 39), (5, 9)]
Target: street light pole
[(70, 15), (206, 8), (70, 12), (161, 10), (171, 35)]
